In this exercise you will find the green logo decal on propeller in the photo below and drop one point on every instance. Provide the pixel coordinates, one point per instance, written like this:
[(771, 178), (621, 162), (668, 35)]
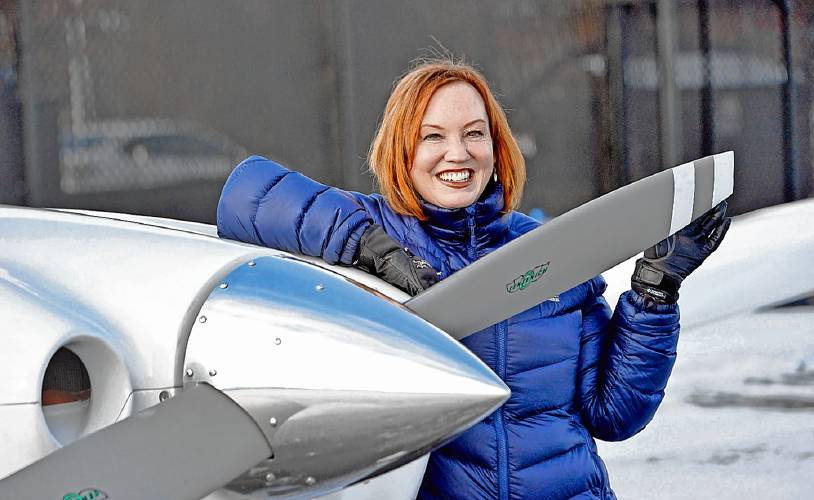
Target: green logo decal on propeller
[(86, 494), (524, 280)]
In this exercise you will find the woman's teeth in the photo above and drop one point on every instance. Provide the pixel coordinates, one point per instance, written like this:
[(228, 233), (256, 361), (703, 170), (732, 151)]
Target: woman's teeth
[(462, 176)]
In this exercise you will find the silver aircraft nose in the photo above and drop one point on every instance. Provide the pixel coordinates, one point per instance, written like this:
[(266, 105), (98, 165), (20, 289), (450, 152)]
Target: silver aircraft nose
[(343, 382)]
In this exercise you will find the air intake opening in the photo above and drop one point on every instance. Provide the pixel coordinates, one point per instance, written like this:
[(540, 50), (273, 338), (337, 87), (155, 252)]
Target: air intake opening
[(65, 395), (66, 379)]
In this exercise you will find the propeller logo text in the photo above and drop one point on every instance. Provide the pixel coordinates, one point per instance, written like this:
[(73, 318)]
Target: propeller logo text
[(86, 494), (524, 280)]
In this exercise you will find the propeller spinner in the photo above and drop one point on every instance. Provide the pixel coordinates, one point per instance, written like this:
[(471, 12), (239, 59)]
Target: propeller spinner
[(296, 381)]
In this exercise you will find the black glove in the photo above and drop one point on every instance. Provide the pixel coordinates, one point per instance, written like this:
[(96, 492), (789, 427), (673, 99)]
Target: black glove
[(659, 274), (382, 256)]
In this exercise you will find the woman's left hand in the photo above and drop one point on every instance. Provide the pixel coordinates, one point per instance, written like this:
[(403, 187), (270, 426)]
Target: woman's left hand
[(382, 256), (659, 274)]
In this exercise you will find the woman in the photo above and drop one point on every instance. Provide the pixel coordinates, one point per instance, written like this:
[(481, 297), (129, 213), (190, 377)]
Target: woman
[(450, 173)]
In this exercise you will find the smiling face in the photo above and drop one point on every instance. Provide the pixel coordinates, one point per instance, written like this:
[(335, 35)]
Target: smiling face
[(453, 158)]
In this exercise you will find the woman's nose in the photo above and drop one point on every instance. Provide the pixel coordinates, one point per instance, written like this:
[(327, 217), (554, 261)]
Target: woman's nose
[(456, 151)]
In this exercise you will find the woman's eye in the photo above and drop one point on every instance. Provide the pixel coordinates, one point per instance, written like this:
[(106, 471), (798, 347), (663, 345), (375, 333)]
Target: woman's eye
[(432, 137), (475, 134)]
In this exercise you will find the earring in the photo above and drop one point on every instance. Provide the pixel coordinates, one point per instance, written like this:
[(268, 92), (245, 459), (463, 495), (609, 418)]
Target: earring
[(494, 175)]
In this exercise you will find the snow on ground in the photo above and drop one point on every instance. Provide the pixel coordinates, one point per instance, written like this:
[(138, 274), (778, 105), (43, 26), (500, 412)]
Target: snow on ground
[(738, 417)]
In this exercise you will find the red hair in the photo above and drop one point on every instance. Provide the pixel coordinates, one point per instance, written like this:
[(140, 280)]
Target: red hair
[(393, 148)]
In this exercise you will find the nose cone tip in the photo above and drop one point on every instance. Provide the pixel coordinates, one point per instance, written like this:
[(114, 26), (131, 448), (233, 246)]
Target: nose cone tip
[(492, 395), (502, 394), (486, 393)]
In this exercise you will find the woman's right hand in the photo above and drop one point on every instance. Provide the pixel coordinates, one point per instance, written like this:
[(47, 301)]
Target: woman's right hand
[(382, 256), (659, 274)]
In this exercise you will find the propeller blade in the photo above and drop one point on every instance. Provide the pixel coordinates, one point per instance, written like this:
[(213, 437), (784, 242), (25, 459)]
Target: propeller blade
[(183, 448), (575, 247)]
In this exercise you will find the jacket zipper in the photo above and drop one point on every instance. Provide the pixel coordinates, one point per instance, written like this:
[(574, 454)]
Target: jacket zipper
[(500, 333), (500, 428), (473, 242)]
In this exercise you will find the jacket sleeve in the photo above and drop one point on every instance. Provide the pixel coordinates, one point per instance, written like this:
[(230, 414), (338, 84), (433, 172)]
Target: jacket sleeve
[(624, 363), (266, 204)]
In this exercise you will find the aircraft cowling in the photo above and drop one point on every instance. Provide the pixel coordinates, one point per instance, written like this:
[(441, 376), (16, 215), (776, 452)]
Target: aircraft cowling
[(127, 294), (344, 383)]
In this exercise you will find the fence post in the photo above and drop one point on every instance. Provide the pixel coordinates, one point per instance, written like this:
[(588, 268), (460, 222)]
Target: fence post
[(669, 97), (707, 117), (790, 180), (617, 48)]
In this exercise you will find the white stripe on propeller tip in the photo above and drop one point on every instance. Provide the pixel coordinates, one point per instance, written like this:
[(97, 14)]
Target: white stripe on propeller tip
[(724, 182), (683, 196)]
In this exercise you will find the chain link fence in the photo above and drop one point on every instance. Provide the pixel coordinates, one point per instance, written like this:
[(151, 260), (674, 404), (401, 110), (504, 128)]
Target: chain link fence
[(730, 73), (86, 79), (146, 106)]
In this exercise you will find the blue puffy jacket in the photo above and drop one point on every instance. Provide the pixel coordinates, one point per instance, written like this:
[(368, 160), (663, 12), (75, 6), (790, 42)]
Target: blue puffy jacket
[(575, 372)]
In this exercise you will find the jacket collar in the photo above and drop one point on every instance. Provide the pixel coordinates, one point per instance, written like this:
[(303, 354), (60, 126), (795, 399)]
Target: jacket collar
[(451, 225)]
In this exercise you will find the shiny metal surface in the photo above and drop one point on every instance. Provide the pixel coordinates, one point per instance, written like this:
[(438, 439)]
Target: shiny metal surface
[(136, 285), (356, 275), (339, 437), (357, 384), (35, 322), (125, 291), (119, 294), (25, 436), (401, 483)]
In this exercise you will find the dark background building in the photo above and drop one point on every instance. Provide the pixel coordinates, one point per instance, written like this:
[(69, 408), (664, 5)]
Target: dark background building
[(144, 107)]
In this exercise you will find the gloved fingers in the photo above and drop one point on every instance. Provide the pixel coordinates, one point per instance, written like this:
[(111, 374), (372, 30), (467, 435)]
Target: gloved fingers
[(661, 249), (382, 256), (424, 273), (410, 273), (706, 223), (716, 237), (696, 228), (714, 218), (401, 275), (428, 279)]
